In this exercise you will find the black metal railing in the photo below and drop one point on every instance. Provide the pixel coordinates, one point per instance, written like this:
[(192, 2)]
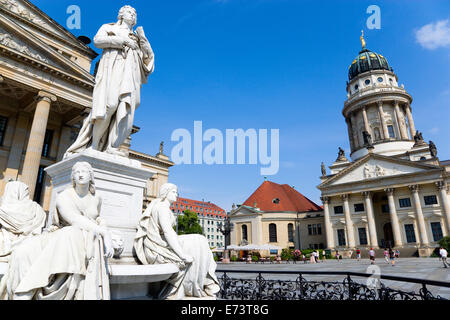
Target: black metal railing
[(261, 288)]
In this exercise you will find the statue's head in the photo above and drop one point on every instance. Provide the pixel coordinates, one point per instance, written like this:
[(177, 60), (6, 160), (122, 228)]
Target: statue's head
[(82, 173), (127, 14), (168, 191), (15, 191)]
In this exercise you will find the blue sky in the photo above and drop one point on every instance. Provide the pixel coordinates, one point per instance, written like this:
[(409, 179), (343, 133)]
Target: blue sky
[(274, 64)]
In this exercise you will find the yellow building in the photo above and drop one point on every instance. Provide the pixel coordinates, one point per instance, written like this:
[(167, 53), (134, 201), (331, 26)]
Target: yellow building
[(280, 216)]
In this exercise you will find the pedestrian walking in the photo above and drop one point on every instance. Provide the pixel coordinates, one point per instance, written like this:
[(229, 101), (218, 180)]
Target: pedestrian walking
[(386, 255), (316, 256), (397, 254), (392, 256), (324, 256), (337, 255), (372, 256), (443, 253), (358, 254)]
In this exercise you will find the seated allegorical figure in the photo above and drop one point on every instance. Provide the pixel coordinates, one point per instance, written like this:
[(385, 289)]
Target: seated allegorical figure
[(156, 242), (68, 262), (20, 218)]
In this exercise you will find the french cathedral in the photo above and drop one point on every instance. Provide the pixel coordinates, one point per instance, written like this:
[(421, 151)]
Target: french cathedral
[(393, 191)]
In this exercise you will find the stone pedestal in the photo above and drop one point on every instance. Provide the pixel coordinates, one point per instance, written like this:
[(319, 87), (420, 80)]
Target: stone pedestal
[(120, 182)]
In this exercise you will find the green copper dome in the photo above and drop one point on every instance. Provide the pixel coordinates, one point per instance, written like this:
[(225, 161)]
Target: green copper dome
[(366, 61)]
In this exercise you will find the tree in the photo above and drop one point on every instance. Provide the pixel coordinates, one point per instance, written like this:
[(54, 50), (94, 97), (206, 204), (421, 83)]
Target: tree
[(188, 223)]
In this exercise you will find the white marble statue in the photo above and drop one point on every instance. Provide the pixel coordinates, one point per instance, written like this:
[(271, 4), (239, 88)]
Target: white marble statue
[(367, 172), (157, 243), (66, 262), (126, 63), (379, 171), (20, 218)]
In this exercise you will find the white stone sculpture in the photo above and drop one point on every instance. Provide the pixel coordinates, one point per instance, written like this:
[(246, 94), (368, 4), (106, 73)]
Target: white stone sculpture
[(157, 243), (367, 173), (125, 65), (20, 217), (379, 171), (68, 262)]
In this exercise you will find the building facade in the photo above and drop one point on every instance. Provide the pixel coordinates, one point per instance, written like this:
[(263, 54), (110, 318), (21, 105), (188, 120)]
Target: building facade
[(393, 192), (278, 215), (45, 93), (210, 217)]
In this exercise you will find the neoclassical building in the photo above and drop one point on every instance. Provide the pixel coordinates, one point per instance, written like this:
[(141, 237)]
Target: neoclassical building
[(394, 189), (45, 93), (278, 215)]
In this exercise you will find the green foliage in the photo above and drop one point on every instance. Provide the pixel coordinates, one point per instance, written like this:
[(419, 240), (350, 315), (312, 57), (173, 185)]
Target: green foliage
[(234, 259), (255, 258), (445, 242), (286, 254), (189, 224)]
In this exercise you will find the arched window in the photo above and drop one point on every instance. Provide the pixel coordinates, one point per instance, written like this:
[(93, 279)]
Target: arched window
[(244, 233), (291, 232), (272, 232)]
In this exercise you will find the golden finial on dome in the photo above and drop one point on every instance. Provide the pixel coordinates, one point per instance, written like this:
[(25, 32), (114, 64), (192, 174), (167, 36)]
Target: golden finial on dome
[(363, 42)]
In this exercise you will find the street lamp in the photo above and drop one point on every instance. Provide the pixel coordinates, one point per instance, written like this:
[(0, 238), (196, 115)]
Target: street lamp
[(226, 229)]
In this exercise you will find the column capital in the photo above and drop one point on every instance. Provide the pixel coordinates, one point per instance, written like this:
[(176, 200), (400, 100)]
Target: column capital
[(345, 197), (380, 103), (441, 185), (42, 95), (366, 194), (389, 191), (325, 200), (414, 188)]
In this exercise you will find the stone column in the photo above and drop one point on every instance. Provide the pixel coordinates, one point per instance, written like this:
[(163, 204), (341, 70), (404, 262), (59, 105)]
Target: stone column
[(442, 186), (371, 220), (36, 141), (18, 144), (401, 122), (419, 215), (350, 134), (328, 227), (366, 121), (412, 128), (394, 218), (383, 121), (348, 222)]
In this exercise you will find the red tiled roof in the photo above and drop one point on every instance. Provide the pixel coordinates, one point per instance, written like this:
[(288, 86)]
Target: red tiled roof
[(186, 204), (289, 199)]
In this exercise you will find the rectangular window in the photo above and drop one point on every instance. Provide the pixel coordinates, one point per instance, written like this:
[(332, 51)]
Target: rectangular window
[(314, 229), (310, 229), (359, 207), (430, 200), (3, 125), (40, 185), (405, 203), (338, 210), (47, 143), (341, 237), (410, 235), (362, 236), (437, 231), (385, 208), (319, 229), (391, 132)]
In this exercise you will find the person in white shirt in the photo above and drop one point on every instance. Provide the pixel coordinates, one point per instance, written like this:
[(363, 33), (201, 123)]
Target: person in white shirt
[(444, 254), (372, 256)]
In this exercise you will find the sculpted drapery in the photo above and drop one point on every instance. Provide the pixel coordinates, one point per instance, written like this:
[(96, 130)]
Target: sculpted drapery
[(20, 217), (157, 243), (126, 63), (66, 262)]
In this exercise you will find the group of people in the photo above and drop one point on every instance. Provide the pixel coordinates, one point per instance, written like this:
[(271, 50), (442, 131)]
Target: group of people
[(389, 255)]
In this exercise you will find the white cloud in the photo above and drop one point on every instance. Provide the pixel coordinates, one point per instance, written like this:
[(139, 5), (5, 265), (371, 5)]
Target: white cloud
[(434, 130), (434, 35)]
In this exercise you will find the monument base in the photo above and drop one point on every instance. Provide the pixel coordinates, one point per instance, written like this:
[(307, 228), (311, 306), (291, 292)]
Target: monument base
[(119, 181)]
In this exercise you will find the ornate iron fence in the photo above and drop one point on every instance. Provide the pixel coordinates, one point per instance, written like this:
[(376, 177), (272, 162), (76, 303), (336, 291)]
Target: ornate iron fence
[(263, 288)]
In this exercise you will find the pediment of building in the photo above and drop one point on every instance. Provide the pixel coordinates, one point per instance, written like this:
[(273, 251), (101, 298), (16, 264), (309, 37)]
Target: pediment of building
[(243, 211), (29, 17), (20, 44), (373, 167)]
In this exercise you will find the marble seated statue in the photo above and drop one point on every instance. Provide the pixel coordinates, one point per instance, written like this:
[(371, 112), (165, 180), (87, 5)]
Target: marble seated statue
[(157, 243), (67, 261), (20, 218)]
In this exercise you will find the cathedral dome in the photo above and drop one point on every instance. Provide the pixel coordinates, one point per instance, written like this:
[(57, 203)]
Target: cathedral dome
[(367, 61)]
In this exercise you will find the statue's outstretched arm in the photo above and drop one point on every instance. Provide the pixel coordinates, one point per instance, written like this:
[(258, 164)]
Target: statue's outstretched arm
[(105, 39)]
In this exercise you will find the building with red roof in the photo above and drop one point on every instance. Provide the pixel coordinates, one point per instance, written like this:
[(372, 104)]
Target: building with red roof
[(278, 215), (209, 215)]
